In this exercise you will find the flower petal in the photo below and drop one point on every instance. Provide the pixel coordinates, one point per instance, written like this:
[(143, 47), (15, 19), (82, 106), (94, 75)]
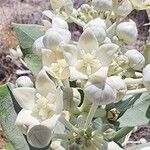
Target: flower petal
[(100, 94), (88, 41), (44, 84), (99, 76), (105, 53), (48, 14), (25, 97), (39, 136), (59, 101), (76, 75), (48, 57), (25, 120), (50, 123), (52, 39), (59, 23), (70, 53)]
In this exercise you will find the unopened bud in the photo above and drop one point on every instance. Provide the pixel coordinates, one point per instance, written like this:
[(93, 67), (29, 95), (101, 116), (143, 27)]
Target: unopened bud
[(24, 81)]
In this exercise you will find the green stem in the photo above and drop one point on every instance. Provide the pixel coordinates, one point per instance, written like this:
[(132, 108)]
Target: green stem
[(90, 115), (122, 133), (85, 105)]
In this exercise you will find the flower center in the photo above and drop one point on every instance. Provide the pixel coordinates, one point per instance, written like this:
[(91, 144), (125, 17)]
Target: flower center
[(88, 64), (44, 108), (60, 68)]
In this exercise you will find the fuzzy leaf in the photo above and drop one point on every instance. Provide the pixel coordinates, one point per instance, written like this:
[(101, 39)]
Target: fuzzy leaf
[(7, 119), (34, 63), (138, 114), (27, 34)]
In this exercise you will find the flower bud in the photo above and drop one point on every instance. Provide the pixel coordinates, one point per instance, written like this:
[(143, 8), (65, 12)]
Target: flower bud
[(54, 36), (117, 83), (124, 8), (59, 23), (98, 27), (136, 59), (127, 32), (39, 136), (16, 54), (24, 81), (38, 46), (100, 94), (102, 5), (146, 77)]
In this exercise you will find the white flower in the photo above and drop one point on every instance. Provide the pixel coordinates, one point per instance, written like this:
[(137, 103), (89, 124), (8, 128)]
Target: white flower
[(119, 84), (102, 5), (100, 93), (87, 59), (105, 92), (16, 54), (38, 46), (124, 8), (41, 109), (146, 77), (24, 81), (98, 27), (145, 148), (113, 146), (136, 59), (61, 8), (127, 31), (54, 36)]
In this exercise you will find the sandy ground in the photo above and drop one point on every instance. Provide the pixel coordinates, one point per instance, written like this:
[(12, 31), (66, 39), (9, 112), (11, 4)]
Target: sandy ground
[(30, 11)]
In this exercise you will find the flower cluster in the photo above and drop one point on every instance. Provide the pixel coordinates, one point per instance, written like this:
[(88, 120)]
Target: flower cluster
[(81, 77)]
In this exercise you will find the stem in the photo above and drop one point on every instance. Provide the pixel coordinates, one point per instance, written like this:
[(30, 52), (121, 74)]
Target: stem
[(122, 133), (136, 91), (68, 124), (90, 115), (78, 22), (133, 81)]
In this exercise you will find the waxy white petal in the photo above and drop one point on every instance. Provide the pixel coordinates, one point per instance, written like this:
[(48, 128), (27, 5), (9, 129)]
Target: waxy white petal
[(52, 39), (99, 76), (88, 41), (44, 84), (24, 81), (38, 46), (25, 96), (106, 52), (70, 54), (59, 23), (100, 94), (48, 57), (25, 120), (51, 123), (59, 101), (48, 14), (39, 136), (76, 75)]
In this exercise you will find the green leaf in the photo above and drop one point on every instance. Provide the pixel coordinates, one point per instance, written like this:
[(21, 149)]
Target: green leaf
[(9, 146), (138, 114), (34, 63), (138, 147), (7, 119), (27, 34)]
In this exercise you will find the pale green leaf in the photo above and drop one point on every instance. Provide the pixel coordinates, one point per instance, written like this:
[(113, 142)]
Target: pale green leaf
[(7, 119), (34, 63), (27, 34), (137, 115)]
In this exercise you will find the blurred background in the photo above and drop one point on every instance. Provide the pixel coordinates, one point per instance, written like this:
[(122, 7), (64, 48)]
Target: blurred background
[(30, 12)]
